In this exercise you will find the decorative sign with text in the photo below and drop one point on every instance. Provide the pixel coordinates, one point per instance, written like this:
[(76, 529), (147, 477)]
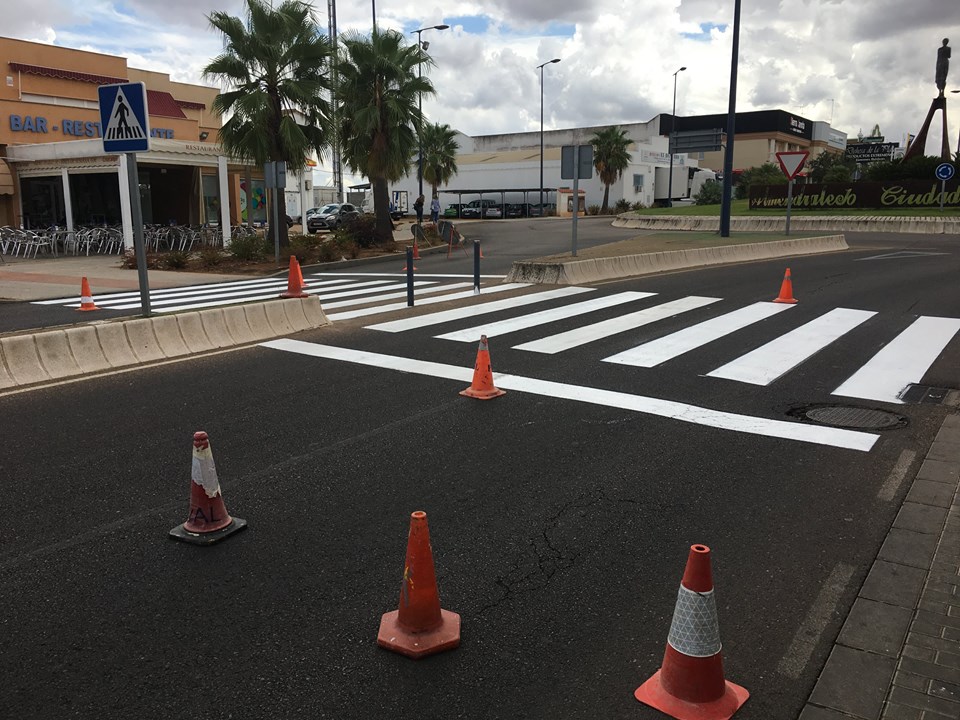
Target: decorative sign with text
[(902, 194)]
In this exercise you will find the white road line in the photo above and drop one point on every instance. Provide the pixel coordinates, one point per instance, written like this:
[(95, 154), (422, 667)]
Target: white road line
[(888, 491), (768, 362), (835, 437), (903, 361), (367, 290), (670, 346), (363, 312), (597, 331), (806, 639), (473, 310), (394, 296), (543, 317), (402, 274)]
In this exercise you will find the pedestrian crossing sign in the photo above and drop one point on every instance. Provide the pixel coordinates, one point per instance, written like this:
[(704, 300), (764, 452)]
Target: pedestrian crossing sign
[(123, 118)]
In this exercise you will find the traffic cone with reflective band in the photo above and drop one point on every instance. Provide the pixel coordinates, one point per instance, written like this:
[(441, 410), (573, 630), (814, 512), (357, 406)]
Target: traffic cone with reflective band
[(208, 520), (86, 297), (419, 627), (690, 683), (786, 290), (294, 281), (482, 387)]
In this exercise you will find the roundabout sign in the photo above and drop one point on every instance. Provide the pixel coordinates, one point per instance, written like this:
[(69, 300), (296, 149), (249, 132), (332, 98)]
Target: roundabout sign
[(943, 172)]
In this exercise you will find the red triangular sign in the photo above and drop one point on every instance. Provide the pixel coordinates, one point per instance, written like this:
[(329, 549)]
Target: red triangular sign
[(792, 162)]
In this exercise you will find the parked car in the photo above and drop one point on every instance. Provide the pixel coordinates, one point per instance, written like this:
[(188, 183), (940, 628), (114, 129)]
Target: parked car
[(547, 209), (344, 213), (318, 220), (494, 212), (517, 210), (472, 208), (453, 210), (291, 221)]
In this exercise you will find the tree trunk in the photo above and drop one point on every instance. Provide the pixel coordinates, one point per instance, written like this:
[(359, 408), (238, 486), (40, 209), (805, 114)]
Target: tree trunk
[(381, 209), (606, 198)]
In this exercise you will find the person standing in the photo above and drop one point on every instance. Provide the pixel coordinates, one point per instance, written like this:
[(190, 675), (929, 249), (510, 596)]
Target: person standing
[(418, 208), (435, 210)]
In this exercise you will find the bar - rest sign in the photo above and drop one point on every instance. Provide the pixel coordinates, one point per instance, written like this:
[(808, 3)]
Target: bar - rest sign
[(814, 196)]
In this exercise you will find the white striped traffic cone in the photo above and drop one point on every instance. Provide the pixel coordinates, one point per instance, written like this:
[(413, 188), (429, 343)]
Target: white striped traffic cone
[(86, 297), (690, 683)]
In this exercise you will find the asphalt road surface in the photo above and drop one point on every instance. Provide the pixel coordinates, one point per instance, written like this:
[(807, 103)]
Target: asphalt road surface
[(560, 514)]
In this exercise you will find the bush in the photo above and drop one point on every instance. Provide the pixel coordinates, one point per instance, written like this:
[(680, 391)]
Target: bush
[(210, 256), (593, 209), (176, 259), (711, 193), (328, 251), (250, 249), (622, 206), (637, 206), (766, 174), (363, 230)]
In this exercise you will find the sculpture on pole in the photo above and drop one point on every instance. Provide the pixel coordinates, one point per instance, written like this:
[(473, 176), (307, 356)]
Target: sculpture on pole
[(918, 146)]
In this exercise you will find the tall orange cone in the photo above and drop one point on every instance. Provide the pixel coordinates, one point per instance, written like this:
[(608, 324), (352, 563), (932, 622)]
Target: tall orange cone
[(690, 683), (786, 290), (416, 250), (208, 520), (86, 297), (482, 387), (300, 276), (294, 281), (419, 627)]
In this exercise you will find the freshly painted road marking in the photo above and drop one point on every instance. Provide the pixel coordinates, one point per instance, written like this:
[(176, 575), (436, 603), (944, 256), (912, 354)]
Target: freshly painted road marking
[(835, 437), (363, 312), (768, 362), (903, 361), (543, 317), (888, 491), (683, 341), (597, 331), (394, 296), (474, 310), (808, 636)]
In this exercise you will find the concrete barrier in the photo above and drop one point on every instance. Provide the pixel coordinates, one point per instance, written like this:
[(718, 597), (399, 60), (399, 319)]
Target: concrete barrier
[(580, 272), (31, 359), (798, 222)]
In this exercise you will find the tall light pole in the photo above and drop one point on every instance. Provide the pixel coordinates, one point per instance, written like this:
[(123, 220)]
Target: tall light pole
[(673, 131), (421, 48), (731, 127), (958, 136), (540, 68)]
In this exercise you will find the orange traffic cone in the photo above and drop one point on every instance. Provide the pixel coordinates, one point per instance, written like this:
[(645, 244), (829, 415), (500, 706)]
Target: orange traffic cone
[(420, 627), (482, 386), (786, 290), (690, 683), (416, 250), (300, 276), (208, 520), (294, 281), (86, 297)]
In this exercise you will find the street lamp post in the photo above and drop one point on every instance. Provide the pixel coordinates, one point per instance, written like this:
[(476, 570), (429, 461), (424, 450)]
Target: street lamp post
[(420, 48), (673, 131), (540, 68), (958, 136)]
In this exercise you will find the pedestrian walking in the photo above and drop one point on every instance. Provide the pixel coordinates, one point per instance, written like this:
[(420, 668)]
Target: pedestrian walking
[(435, 209), (418, 208)]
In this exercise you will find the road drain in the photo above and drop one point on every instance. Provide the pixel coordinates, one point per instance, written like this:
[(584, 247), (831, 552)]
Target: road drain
[(847, 416)]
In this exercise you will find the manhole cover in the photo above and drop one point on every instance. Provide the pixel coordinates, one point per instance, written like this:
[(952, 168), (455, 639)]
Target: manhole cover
[(854, 417)]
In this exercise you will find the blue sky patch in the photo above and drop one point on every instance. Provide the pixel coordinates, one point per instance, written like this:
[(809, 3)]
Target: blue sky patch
[(705, 29)]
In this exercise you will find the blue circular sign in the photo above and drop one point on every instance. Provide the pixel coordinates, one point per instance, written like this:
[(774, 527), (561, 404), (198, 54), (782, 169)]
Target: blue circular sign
[(944, 171)]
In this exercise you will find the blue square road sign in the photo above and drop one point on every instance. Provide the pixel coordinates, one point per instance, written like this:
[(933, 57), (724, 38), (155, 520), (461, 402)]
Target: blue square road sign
[(124, 118)]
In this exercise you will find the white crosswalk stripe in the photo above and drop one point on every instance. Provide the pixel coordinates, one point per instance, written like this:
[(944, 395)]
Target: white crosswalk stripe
[(614, 326), (543, 317), (778, 357), (379, 309), (901, 362), (683, 341)]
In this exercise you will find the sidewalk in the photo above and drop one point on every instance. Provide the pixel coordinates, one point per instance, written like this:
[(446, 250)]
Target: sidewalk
[(898, 654), (49, 278)]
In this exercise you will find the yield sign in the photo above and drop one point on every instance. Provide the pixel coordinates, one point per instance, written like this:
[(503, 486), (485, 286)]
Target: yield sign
[(792, 162)]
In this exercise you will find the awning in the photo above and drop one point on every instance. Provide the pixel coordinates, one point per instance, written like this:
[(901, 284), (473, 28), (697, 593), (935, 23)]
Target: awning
[(6, 179)]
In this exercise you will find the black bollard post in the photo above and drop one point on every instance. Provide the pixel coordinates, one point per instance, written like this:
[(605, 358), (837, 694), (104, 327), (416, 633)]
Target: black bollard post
[(476, 267), (409, 277)]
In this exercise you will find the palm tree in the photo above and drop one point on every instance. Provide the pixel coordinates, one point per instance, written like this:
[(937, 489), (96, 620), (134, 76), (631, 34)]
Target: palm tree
[(378, 89), (610, 157), (274, 68), (439, 154)]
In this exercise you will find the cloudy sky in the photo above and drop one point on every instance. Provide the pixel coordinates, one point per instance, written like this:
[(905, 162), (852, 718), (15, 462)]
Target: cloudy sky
[(855, 63)]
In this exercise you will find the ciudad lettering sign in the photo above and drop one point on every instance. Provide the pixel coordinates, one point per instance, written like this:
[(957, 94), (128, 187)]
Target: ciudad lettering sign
[(904, 194), (39, 125)]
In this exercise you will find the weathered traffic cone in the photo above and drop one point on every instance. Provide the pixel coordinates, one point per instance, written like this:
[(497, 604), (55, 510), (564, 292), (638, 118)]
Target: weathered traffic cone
[(294, 281), (208, 520), (689, 684), (86, 297), (786, 290), (419, 627), (416, 250), (482, 387)]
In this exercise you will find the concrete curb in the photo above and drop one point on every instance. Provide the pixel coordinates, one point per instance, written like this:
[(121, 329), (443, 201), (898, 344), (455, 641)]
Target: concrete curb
[(577, 272), (52, 355), (799, 223)]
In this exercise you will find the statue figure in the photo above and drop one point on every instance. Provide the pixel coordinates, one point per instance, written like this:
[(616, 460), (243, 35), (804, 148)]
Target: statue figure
[(943, 65)]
